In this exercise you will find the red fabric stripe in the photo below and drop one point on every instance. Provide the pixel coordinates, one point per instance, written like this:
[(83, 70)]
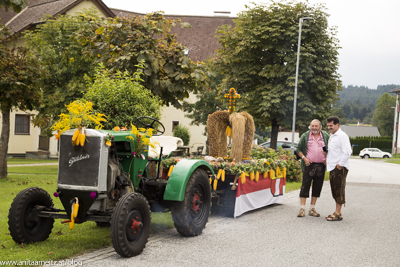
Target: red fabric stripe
[(252, 186), (263, 183)]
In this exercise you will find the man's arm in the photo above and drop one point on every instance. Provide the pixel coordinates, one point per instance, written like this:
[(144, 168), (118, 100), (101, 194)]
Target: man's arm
[(346, 151)]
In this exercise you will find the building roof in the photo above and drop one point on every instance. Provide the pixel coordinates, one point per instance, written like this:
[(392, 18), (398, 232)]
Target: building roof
[(200, 39), (354, 131), (36, 9), (395, 91)]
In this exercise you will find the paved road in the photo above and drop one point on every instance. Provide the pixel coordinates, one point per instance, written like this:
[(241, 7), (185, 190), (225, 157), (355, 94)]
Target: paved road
[(273, 236)]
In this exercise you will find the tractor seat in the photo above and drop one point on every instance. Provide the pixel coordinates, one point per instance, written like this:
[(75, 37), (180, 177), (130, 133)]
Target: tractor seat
[(168, 143)]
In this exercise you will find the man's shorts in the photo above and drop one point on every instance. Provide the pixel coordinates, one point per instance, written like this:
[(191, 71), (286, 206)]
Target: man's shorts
[(338, 183), (314, 173)]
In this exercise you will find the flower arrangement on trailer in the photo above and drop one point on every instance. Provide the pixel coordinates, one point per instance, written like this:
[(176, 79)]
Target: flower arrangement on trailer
[(251, 168)]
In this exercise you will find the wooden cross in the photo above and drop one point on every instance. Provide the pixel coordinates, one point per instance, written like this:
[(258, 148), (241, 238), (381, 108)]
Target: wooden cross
[(232, 96)]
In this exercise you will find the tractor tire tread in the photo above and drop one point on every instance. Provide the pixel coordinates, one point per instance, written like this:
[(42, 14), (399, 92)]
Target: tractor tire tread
[(118, 225), (16, 213)]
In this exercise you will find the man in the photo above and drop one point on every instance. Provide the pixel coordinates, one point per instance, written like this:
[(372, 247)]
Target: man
[(313, 165), (337, 164)]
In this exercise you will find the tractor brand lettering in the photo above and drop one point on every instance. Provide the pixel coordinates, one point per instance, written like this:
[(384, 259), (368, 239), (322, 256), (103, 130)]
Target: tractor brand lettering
[(78, 158)]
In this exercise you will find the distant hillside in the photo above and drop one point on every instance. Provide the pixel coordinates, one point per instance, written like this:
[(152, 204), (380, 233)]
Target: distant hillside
[(363, 94)]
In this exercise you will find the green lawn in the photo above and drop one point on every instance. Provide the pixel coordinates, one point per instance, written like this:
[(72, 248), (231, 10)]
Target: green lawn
[(396, 161), (12, 161), (46, 169)]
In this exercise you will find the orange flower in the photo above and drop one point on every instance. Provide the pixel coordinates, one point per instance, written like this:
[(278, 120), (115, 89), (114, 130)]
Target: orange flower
[(117, 129), (57, 136)]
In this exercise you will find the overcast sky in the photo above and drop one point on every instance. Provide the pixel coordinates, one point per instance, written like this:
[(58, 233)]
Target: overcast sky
[(368, 31)]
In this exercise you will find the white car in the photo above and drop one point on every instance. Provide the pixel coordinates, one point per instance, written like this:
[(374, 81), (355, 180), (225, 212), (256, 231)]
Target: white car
[(367, 153)]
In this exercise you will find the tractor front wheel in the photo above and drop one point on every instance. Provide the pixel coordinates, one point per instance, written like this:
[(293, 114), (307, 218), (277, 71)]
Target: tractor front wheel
[(130, 225), (24, 225), (191, 215)]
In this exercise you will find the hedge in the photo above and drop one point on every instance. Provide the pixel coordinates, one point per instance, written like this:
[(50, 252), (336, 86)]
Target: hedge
[(358, 143)]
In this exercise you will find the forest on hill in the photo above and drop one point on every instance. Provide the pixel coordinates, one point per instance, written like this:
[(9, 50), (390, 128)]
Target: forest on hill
[(359, 103), (363, 94)]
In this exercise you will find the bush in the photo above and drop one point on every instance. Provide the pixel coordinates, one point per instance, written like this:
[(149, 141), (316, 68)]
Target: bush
[(183, 133), (121, 97), (360, 142), (293, 173), (293, 169)]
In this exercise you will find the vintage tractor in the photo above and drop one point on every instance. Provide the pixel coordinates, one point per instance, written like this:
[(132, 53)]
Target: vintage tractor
[(112, 186)]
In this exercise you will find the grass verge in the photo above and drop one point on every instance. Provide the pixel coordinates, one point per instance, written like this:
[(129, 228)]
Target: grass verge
[(12, 161), (46, 169), (396, 161)]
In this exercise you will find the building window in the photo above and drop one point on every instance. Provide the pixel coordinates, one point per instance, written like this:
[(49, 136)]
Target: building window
[(22, 123), (174, 123)]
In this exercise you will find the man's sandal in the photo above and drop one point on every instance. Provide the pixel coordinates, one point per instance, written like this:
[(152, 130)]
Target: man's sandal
[(326, 217), (302, 213), (334, 217), (313, 212)]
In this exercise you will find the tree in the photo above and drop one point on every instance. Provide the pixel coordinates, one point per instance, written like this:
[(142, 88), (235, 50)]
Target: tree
[(347, 109), (122, 98), (207, 102), (338, 112), (258, 57), (17, 5), (120, 43), (61, 55), (20, 80), (384, 114)]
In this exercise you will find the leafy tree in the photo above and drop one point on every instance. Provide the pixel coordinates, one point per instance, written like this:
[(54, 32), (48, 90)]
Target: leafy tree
[(120, 43), (259, 55), (61, 55), (17, 5), (207, 102), (265, 133), (122, 97), (384, 114), (20, 80)]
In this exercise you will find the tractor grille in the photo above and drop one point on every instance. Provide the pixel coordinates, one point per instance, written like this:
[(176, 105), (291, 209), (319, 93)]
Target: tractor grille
[(83, 168)]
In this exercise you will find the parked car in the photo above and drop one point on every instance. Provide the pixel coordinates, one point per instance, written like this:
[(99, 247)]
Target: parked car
[(284, 144), (367, 153)]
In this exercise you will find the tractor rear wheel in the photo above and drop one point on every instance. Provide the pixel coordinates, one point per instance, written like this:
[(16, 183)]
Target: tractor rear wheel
[(191, 215), (130, 225), (24, 225)]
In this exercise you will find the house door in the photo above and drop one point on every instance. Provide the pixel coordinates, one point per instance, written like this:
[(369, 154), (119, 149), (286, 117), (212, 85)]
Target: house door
[(44, 143)]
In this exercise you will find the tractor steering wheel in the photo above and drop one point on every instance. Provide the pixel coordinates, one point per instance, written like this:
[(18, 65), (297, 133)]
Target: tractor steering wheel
[(151, 125)]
